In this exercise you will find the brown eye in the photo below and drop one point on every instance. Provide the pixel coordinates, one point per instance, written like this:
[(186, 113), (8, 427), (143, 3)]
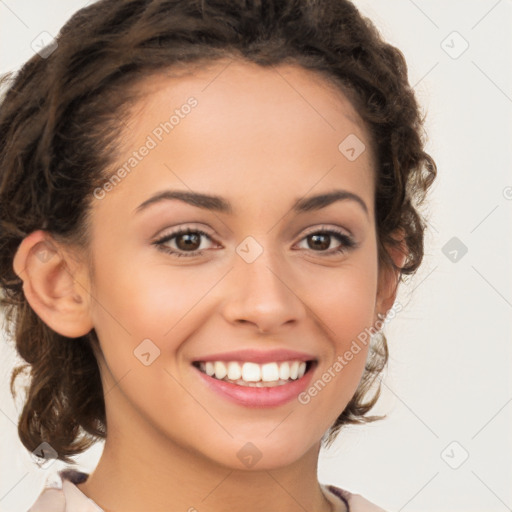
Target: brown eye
[(188, 241), (184, 242), (321, 241)]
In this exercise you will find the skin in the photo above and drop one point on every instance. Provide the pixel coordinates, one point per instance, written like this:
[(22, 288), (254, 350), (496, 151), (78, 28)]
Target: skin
[(260, 138)]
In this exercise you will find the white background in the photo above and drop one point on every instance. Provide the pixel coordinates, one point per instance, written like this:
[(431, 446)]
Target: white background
[(449, 377)]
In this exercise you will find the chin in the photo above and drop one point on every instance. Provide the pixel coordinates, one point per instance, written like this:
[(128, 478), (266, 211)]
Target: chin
[(262, 453)]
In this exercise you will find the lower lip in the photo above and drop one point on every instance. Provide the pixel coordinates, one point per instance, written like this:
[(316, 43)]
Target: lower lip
[(258, 397)]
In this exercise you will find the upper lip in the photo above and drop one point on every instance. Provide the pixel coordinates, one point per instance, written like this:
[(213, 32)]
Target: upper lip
[(258, 356)]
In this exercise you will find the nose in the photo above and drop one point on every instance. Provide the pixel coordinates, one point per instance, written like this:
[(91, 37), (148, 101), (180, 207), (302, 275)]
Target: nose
[(262, 295)]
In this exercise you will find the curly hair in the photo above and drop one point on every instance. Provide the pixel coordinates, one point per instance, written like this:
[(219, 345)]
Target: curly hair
[(59, 124)]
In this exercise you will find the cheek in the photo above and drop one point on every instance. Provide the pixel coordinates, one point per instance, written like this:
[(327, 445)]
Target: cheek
[(345, 301), (131, 292), (344, 304), (345, 311), (137, 300)]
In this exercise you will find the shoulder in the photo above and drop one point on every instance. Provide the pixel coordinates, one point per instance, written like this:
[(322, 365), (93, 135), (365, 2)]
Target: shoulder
[(355, 502), (60, 494)]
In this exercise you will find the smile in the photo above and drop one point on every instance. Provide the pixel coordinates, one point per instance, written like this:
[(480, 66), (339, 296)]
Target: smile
[(252, 374)]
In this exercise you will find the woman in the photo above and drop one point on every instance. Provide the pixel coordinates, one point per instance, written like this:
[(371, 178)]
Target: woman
[(206, 211)]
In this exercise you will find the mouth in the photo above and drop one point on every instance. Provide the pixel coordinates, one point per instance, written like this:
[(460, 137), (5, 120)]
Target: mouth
[(252, 374)]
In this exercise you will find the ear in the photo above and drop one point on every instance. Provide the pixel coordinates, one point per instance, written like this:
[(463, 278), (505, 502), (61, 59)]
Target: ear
[(388, 276), (54, 284)]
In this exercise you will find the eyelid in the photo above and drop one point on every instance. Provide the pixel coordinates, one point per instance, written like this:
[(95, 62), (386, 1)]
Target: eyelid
[(348, 241), (193, 226), (325, 227), (201, 227), (344, 236)]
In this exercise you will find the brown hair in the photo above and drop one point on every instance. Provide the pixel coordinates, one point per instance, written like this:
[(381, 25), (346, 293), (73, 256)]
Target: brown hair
[(59, 123)]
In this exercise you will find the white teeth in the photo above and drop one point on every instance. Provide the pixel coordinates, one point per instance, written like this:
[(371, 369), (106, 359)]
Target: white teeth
[(220, 370), (234, 370), (294, 370), (269, 372), (284, 371), (253, 374), (209, 368)]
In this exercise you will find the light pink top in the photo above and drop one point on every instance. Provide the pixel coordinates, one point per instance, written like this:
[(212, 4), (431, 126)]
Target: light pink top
[(60, 494)]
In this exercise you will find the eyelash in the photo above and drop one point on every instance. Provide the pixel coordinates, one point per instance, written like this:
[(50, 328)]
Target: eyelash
[(347, 242)]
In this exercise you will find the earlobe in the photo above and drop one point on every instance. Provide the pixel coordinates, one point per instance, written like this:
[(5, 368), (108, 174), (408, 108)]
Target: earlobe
[(51, 285), (389, 277)]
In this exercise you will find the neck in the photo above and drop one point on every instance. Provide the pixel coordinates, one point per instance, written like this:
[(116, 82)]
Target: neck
[(150, 472)]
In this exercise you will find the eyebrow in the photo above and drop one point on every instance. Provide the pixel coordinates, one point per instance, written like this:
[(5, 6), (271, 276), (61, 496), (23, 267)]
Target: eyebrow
[(221, 205)]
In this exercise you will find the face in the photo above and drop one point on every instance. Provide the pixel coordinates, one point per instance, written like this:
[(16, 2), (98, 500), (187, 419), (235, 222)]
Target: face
[(261, 273)]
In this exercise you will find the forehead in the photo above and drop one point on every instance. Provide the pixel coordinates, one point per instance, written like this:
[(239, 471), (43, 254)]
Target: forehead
[(246, 86), (282, 127)]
